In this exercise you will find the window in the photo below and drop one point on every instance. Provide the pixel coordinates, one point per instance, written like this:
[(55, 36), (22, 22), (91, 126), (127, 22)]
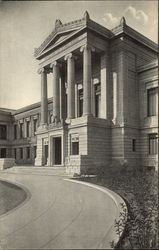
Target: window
[(21, 153), (28, 152), (15, 153), (15, 131), (34, 151), (27, 128), (80, 102), (3, 152), (21, 130), (3, 132), (152, 102), (97, 101), (75, 145), (35, 125), (153, 144), (134, 145)]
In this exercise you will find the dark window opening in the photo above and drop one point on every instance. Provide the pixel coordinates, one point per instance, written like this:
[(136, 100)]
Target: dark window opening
[(21, 130), (97, 100), (28, 126), (153, 144), (28, 153), (80, 102), (57, 143), (15, 153), (35, 151), (75, 144), (75, 148), (3, 153), (15, 131), (3, 132), (21, 153), (134, 145)]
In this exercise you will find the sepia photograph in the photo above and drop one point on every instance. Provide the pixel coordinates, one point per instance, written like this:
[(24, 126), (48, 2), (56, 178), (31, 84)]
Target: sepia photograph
[(79, 124)]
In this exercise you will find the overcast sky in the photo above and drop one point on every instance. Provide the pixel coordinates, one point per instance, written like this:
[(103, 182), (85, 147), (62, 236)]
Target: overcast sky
[(25, 24)]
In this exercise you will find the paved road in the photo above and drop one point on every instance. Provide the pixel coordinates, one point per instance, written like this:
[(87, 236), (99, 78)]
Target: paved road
[(58, 214)]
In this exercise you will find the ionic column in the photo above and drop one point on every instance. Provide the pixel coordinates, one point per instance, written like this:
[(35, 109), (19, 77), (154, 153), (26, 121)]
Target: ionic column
[(71, 85), (87, 74), (44, 103), (56, 91)]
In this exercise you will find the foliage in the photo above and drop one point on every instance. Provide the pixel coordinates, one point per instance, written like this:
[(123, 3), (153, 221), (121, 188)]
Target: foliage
[(140, 191)]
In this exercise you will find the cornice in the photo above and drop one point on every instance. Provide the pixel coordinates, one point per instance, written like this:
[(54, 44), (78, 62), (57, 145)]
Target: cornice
[(127, 30), (148, 66), (30, 107)]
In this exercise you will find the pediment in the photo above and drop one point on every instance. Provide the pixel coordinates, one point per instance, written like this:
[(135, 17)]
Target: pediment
[(56, 39)]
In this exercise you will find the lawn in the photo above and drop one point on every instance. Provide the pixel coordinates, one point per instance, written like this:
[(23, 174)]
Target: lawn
[(10, 196)]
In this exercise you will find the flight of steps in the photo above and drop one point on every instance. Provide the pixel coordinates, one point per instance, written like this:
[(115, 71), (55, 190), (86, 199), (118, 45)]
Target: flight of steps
[(58, 171)]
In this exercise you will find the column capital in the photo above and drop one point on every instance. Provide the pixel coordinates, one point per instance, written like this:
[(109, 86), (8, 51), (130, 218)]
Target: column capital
[(43, 70), (87, 47), (70, 56), (55, 64)]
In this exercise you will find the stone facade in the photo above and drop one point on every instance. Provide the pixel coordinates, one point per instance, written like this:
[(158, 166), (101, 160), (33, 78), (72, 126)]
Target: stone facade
[(99, 111)]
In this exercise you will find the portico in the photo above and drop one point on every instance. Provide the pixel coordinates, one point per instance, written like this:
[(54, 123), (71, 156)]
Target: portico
[(78, 61)]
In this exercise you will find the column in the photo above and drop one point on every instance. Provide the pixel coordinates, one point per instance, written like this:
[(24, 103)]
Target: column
[(71, 86), (105, 85), (56, 91), (87, 74), (44, 102)]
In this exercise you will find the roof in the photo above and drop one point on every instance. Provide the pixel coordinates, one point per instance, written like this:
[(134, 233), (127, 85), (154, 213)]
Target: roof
[(63, 32), (30, 107)]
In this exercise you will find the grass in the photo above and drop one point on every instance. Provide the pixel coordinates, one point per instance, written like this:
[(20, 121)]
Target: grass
[(139, 189), (10, 196)]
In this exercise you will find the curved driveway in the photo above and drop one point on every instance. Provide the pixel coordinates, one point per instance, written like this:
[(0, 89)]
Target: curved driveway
[(59, 214)]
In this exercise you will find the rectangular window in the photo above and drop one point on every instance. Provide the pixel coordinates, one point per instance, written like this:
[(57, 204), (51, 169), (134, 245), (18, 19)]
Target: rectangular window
[(34, 151), (28, 152), (21, 130), (75, 145), (15, 153), (153, 144), (134, 145), (21, 153), (3, 132), (15, 131), (3, 152), (27, 128), (35, 125), (152, 102), (80, 102)]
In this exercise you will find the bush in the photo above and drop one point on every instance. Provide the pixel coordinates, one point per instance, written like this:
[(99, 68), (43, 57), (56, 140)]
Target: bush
[(140, 190)]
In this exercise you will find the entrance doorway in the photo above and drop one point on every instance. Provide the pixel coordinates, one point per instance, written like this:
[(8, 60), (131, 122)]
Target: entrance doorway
[(57, 150), (46, 154)]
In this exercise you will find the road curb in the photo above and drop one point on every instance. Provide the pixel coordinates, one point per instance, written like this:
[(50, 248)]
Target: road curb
[(117, 200)]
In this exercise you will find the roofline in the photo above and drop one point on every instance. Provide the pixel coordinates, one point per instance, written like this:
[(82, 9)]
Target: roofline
[(29, 107), (86, 22)]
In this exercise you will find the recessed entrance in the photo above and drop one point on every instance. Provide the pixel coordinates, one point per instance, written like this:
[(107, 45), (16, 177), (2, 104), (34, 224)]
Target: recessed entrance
[(57, 150)]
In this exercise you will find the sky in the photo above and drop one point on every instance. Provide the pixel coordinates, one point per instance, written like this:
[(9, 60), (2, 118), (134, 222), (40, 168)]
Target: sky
[(24, 25)]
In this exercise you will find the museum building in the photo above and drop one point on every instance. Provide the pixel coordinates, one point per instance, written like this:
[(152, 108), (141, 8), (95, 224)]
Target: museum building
[(104, 107)]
